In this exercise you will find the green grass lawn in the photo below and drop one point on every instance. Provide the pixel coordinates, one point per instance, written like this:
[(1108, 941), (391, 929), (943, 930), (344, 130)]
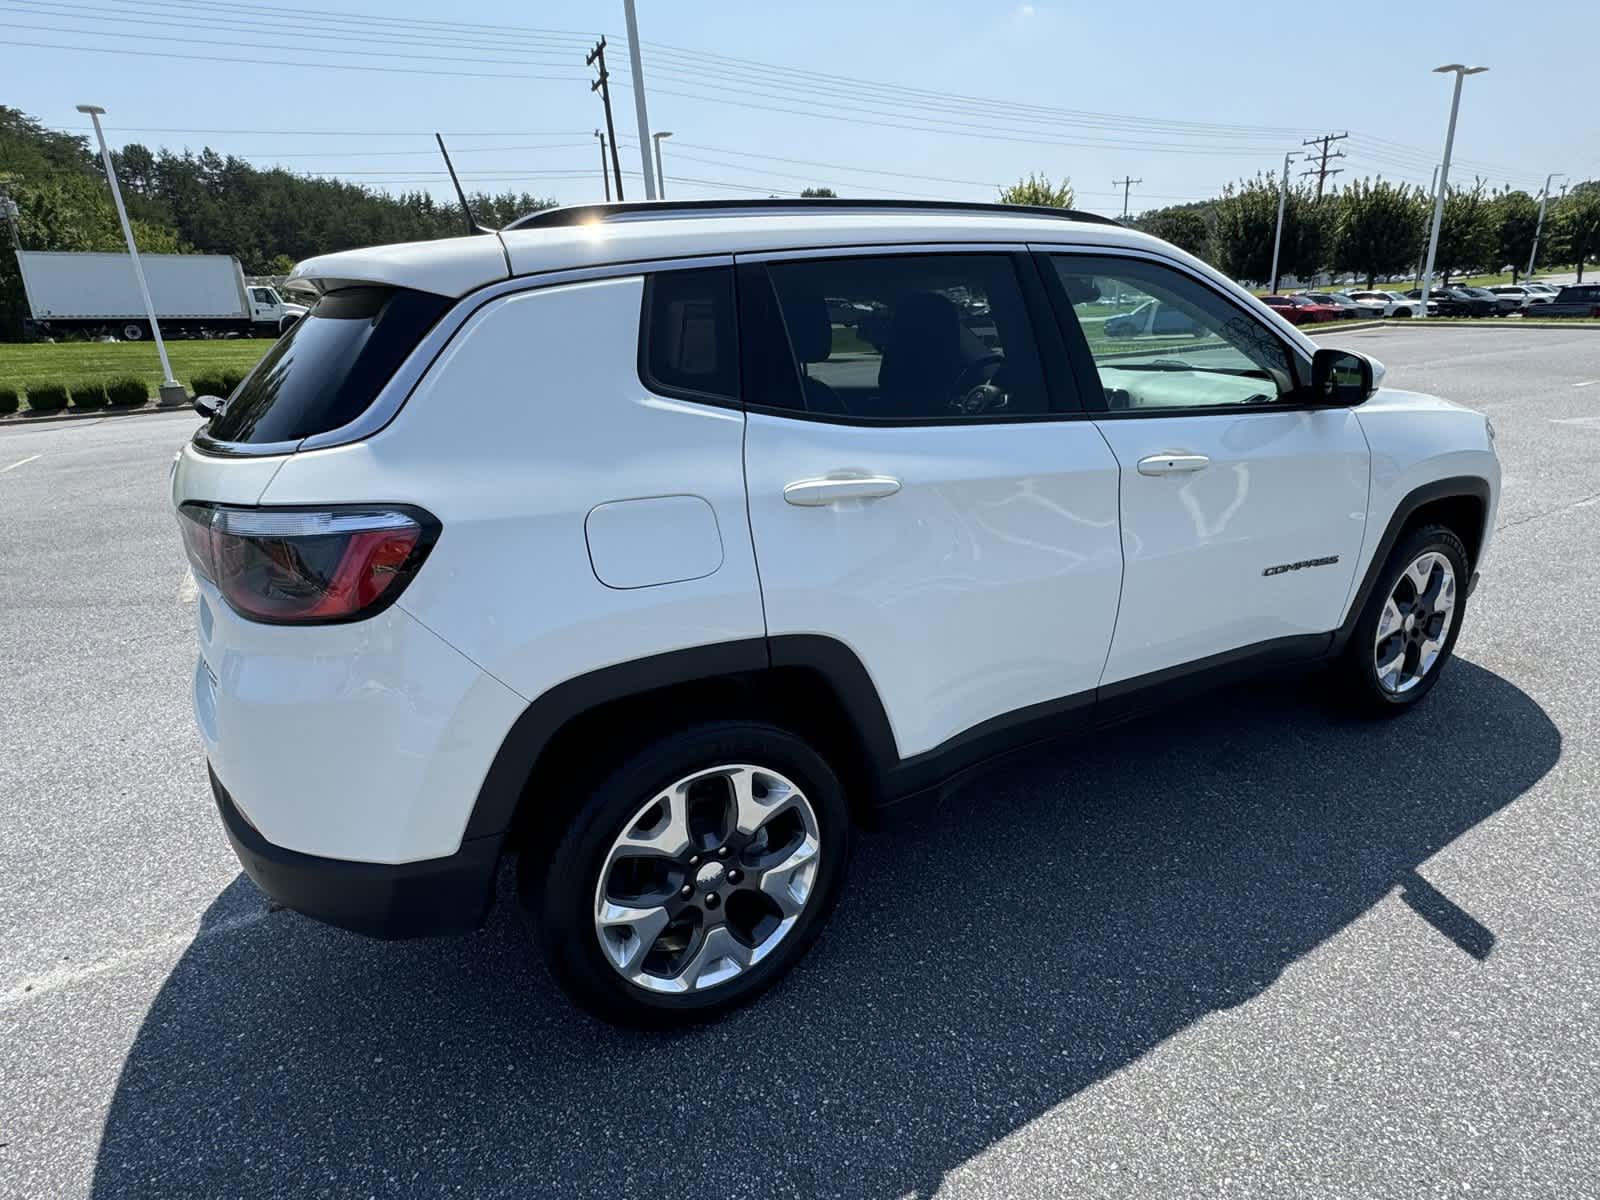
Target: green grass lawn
[(71, 362)]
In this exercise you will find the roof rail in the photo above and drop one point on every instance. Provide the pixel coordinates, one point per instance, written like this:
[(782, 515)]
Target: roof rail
[(584, 214)]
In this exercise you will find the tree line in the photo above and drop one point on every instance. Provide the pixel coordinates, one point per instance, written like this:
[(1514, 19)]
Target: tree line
[(202, 203), (1374, 229)]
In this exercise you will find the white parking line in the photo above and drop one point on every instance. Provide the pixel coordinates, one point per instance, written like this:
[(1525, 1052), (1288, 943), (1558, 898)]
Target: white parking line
[(15, 465), (188, 589), (1587, 383)]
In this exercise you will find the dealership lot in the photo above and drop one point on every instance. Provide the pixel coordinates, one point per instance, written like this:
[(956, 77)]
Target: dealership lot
[(1242, 947)]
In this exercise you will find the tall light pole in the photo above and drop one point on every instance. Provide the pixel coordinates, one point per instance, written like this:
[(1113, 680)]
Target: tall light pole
[(638, 98), (1277, 238), (171, 392), (1461, 74), (1538, 225), (661, 176)]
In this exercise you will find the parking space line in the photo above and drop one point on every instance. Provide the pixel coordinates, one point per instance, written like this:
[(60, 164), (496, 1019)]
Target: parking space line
[(1587, 383), (15, 465)]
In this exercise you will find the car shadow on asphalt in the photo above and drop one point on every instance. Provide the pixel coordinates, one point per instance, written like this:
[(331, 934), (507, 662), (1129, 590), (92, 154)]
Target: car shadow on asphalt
[(1043, 927)]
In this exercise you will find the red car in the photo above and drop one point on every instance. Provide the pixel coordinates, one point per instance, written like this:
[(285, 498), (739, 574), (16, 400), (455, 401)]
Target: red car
[(1297, 310)]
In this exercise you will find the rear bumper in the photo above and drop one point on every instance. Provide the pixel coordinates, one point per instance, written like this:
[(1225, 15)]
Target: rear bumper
[(431, 898)]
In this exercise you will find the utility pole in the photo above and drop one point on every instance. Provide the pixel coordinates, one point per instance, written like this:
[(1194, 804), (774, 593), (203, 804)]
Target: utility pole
[(605, 169), (598, 55), (1277, 238), (661, 176), (1538, 226), (1322, 170), (171, 391), (638, 98), (1125, 185)]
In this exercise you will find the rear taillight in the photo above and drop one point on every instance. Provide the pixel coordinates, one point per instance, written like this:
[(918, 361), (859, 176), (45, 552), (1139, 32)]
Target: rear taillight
[(307, 566)]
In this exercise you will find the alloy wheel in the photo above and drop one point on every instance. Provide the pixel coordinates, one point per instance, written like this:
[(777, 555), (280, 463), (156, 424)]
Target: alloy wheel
[(707, 878), (1415, 623)]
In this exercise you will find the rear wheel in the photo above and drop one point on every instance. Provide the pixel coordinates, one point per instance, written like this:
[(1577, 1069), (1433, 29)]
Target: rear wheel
[(694, 876), (133, 331), (1408, 630), (1402, 312)]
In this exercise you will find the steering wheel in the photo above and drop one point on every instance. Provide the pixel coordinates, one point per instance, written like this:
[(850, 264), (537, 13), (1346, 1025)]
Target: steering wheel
[(975, 389)]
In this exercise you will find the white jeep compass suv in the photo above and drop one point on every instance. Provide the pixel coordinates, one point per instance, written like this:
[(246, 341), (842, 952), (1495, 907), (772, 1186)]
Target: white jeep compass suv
[(658, 545)]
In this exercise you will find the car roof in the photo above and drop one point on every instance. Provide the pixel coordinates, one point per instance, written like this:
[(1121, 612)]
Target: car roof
[(599, 235)]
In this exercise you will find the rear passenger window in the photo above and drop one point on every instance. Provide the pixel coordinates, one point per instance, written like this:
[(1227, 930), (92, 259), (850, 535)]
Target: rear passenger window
[(329, 367), (908, 338), (687, 342)]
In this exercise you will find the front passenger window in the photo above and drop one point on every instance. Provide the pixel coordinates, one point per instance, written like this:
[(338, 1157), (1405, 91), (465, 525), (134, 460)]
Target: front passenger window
[(1162, 340)]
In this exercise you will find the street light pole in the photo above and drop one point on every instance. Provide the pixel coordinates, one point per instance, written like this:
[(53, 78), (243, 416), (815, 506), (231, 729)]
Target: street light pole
[(1461, 73), (171, 392), (638, 98), (1277, 238), (1538, 226), (661, 176)]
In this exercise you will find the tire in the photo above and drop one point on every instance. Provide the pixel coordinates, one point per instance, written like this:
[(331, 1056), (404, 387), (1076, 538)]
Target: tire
[(1423, 648), (133, 331), (1402, 312), (734, 901)]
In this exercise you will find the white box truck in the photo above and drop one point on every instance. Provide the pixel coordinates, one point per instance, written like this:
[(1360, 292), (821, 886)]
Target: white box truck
[(194, 295)]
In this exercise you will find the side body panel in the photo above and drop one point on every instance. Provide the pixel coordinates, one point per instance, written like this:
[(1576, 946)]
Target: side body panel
[(533, 417), (987, 583), (1258, 545)]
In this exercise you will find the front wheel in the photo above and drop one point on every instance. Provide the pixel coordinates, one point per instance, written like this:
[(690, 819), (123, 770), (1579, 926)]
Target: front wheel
[(1402, 312), (133, 331), (1408, 629), (694, 876)]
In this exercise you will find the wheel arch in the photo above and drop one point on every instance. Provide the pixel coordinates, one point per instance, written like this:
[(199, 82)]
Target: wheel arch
[(1460, 502), (812, 685)]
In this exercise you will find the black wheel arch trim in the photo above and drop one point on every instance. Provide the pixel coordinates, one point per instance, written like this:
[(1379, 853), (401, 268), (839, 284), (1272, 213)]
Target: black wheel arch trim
[(1451, 488)]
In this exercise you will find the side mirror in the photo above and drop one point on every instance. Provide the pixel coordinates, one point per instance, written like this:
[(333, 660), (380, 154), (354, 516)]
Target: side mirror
[(209, 406), (1341, 378)]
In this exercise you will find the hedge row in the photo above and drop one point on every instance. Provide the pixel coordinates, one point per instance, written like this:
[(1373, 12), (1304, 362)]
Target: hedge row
[(126, 391)]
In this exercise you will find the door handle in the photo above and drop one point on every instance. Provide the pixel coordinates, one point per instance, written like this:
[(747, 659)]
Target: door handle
[(813, 493), (1173, 464)]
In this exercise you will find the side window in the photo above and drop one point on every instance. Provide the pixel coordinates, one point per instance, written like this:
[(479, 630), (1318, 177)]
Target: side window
[(262, 295), (912, 337), (1162, 340), (687, 344)]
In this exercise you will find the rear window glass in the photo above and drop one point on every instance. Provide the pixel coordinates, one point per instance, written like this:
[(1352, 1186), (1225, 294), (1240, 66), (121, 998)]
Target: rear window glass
[(329, 367), (688, 345)]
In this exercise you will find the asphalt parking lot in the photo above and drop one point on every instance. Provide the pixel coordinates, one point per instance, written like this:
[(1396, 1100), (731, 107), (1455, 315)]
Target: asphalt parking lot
[(1241, 948)]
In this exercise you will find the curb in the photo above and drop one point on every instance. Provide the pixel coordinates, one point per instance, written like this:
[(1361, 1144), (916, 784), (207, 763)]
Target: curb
[(1410, 323), (21, 418)]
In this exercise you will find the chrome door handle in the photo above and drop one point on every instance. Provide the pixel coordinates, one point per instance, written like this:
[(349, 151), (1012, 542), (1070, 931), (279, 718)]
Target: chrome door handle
[(1172, 464), (813, 493)]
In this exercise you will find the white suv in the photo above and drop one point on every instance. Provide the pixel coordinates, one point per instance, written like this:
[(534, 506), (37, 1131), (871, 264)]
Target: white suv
[(658, 545)]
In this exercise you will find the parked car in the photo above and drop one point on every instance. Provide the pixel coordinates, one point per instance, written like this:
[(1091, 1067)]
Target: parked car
[(556, 545), (1348, 307), (1298, 310), (1525, 297), (1388, 304), (1503, 305), (1543, 289), (1575, 300), (1454, 302), (1152, 317)]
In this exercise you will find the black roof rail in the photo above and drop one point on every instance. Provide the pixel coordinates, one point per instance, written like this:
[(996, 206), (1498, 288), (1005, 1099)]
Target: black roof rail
[(584, 214)]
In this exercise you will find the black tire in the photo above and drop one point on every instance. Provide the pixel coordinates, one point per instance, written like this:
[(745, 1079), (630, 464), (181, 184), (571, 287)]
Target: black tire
[(1402, 312), (1357, 669), (559, 891), (133, 331)]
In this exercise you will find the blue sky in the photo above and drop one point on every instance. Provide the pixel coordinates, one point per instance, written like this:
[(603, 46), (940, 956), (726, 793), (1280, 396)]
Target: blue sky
[(930, 99)]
